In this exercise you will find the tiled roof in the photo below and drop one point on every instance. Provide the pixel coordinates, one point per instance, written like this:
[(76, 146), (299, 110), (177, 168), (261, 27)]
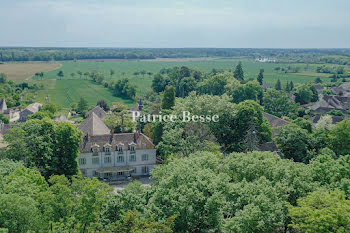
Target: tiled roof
[(93, 125)]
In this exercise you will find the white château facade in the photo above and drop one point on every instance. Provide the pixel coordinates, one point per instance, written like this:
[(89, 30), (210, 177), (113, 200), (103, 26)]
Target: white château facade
[(113, 156)]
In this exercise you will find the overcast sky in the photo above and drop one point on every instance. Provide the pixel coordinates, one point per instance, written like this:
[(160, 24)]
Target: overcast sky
[(165, 23)]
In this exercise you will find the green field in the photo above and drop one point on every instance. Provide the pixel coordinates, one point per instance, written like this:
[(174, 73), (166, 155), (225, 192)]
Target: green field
[(65, 92), (127, 68), (68, 89)]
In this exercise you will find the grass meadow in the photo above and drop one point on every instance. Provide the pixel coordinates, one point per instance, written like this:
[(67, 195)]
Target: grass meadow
[(125, 69), (68, 89)]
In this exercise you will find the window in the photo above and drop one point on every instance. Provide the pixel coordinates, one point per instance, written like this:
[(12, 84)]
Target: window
[(95, 160), (120, 159), (134, 171), (82, 161), (107, 150), (132, 148), (108, 174), (132, 158), (108, 159), (95, 173), (120, 149), (145, 170), (120, 173), (145, 157), (95, 150)]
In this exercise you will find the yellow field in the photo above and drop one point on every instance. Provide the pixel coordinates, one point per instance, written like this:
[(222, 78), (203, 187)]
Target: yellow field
[(20, 71)]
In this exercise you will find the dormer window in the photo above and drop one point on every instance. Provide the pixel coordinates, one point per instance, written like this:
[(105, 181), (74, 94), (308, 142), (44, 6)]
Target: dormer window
[(107, 149), (95, 149), (132, 147), (120, 148)]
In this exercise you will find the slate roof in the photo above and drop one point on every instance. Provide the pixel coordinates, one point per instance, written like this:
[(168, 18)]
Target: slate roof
[(34, 107), (275, 122), (93, 125), (335, 119), (98, 111), (270, 146), (140, 140), (328, 103)]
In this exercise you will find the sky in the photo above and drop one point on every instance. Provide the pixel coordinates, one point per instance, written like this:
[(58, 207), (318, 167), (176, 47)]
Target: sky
[(176, 24)]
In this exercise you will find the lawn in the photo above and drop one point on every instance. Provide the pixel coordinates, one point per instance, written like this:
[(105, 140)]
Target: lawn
[(66, 92)]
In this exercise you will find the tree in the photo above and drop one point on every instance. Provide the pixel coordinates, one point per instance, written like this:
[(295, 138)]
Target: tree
[(260, 78), (158, 83), (66, 149), (321, 211), (339, 135), (318, 80), (277, 103), (241, 92), (132, 221), (4, 119), (79, 73), (294, 142), (124, 88), (278, 85), (60, 74), (168, 100), (53, 149), (52, 108), (303, 95), (238, 73), (82, 105), (287, 87), (103, 104), (111, 72), (314, 97), (214, 85), (72, 75), (233, 126), (291, 85), (3, 78)]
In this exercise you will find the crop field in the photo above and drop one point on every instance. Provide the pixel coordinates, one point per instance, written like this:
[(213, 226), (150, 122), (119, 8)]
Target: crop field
[(125, 69), (68, 89), (66, 92), (21, 71)]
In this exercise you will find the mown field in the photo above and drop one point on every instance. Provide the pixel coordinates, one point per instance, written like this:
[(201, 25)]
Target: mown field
[(66, 92), (22, 70)]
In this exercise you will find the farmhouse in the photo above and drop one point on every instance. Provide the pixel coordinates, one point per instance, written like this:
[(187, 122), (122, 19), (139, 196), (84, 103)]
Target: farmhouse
[(31, 109), (113, 156)]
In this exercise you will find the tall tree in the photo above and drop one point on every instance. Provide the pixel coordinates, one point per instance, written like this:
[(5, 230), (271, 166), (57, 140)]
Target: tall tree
[(261, 76), (238, 73), (278, 85), (291, 85), (168, 100), (82, 105)]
